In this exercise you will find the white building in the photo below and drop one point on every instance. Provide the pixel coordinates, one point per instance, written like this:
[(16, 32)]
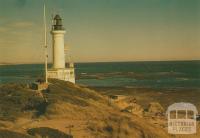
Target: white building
[(59, 70)]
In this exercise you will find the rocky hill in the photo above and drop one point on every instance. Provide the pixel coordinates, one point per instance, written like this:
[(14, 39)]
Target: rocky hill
[(65, 110)]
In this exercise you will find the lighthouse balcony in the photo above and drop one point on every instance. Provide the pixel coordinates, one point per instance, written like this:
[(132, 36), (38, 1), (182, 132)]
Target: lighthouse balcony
[(66, 74)]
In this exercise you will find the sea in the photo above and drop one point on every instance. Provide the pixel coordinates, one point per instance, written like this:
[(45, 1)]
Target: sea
[(150, 74)]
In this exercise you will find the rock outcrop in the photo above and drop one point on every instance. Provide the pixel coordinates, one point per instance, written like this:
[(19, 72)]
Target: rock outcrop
[(155, 109)]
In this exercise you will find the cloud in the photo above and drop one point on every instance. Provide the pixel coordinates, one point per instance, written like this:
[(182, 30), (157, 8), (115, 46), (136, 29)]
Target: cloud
[(14, 27), (3, 29), (21, 3), (22, 24)]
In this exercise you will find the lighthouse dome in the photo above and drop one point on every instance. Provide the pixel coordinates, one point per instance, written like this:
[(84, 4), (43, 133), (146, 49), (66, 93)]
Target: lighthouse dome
[(57, 17), (57, 25)]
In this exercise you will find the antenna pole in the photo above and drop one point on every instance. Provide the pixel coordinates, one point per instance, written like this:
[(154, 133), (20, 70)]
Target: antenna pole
[(45, 44)]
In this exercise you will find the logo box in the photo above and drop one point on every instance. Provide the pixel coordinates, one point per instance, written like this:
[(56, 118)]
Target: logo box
[(182, 118)]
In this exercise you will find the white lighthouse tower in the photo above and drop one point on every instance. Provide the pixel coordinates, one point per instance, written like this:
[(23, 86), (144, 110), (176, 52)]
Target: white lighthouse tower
[(58, 33), (60, 69)]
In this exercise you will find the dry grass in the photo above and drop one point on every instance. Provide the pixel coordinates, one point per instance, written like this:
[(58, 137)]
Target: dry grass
[(66, 104)]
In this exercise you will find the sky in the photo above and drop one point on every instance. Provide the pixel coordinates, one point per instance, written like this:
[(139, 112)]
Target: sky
[(102, 30)]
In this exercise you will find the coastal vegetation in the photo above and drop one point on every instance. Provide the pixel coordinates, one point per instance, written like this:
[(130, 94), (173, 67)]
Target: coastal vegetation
[(66, 109)]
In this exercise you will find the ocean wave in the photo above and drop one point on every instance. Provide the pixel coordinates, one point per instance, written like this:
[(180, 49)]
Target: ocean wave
[(182, 79), (139, 76)]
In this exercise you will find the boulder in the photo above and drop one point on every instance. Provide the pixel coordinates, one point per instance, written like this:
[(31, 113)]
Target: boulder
[(156, 109), (135, 109)]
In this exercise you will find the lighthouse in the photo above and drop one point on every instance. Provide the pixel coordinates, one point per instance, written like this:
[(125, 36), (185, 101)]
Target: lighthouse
[(60, 69), (58, 33)]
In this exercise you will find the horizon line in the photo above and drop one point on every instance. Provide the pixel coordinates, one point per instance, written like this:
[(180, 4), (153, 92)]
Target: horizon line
[(20, 63)]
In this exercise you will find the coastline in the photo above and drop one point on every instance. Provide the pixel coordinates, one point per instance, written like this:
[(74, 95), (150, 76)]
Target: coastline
[(165, 96)]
